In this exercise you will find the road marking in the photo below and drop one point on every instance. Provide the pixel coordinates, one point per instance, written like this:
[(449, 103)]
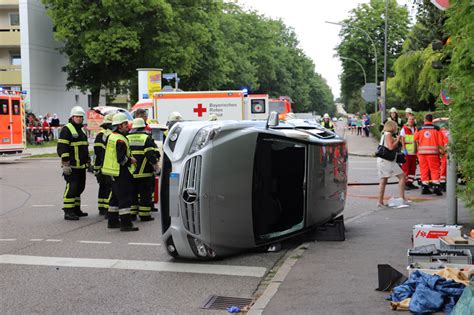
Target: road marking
[(53, 240), (36, 240), (94, 242), (145, 244), (7, 239), (41, 206), (225, 270)]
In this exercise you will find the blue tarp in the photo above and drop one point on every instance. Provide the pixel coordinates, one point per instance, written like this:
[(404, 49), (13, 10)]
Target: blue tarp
[(428, 293)]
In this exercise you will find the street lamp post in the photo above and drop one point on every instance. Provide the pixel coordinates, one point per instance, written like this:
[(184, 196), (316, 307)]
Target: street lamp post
[(373, 45), (363, 70)]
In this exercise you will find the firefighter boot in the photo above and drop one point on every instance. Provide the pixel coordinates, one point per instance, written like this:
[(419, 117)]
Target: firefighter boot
[(126, 224), (79, 213), (102, 211), (436, 190), (113, 220), (425, 190), (70, 215)]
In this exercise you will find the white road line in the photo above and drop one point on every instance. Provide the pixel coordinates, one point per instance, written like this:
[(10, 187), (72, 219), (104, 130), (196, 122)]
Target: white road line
[(94, 242), (41, 206), (7, 239), (53, 240), (145, 244), (36, 240), (225, 270)]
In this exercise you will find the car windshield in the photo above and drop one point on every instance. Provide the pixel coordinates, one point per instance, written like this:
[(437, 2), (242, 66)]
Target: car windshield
[(441, 123)]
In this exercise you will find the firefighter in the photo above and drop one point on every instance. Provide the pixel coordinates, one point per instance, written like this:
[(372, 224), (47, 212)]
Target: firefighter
[(429, 143), (394, 117), (143, 149), (408, 147), (327, 123), (73, 149), (104, 181), (120, 164), (172, 119), (142, 113)]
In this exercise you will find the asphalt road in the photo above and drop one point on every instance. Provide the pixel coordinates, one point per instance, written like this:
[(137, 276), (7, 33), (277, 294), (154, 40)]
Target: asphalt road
[(31, 225)]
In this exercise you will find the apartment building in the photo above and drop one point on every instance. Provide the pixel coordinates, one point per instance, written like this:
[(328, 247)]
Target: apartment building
[(30, 60)]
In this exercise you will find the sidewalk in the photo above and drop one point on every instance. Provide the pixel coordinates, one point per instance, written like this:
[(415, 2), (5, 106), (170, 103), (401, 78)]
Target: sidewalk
[(341, 277)]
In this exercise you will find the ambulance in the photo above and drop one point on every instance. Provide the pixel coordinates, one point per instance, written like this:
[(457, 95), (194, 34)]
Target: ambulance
[(12, 122), (199, 105)]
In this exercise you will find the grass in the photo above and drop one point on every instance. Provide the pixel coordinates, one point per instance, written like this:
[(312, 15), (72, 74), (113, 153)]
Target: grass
[(45, 144)]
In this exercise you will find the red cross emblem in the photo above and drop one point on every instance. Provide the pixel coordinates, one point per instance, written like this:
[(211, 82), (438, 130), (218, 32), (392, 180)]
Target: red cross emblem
[(199, 110)]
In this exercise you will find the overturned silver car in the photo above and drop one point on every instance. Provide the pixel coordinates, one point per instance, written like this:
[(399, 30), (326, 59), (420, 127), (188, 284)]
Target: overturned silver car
[(230, 186)]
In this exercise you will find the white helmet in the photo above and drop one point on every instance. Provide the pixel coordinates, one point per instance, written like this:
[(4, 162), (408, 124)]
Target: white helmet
[(393, 110), (326, 115), (212, 117), (119, 118), (408, 110), (175, 116), (138, 123), (77, 111)]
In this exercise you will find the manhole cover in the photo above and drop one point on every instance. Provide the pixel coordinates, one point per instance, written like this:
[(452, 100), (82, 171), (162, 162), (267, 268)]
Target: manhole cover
[(218, 302)]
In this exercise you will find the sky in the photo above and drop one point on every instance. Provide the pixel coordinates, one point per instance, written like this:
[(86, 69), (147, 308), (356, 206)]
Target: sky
[(317, 38)]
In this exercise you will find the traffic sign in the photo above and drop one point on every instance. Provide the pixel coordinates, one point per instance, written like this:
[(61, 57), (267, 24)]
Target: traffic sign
[(369, 92), (170, 76)]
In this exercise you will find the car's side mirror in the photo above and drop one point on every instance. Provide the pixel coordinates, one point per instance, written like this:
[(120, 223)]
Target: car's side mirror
[(272, 120)]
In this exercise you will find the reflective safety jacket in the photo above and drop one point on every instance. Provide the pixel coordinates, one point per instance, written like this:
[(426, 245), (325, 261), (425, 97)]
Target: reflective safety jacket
[(73, 146), (409, 140), (328, 125), (99, 148), (144, 150), (117, 155), (429, 139)]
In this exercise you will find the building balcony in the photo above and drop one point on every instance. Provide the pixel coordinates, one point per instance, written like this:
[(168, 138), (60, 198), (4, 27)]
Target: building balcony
[(9, 4), (10, 75), (9, 36)]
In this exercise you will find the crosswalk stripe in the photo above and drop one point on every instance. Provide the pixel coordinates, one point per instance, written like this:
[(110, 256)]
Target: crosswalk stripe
[(7, 239), (145, 244), (94, 242), (225, 270)]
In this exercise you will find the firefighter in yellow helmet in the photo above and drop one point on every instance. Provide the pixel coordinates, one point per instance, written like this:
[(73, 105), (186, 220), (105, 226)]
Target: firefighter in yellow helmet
[(120, 164), (104, 181), (172, 119), (73, 149), (144, 150), (327, 123)]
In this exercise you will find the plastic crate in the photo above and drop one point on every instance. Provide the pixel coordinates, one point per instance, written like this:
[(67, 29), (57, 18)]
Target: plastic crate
[(447, 246), (454, 256)]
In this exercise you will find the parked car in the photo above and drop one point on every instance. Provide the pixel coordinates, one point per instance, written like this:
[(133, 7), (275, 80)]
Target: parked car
[(104, 110), (230, 186)]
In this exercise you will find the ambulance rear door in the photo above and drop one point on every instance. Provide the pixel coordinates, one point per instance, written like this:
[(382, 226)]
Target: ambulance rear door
[(256, 107), (5, 123)]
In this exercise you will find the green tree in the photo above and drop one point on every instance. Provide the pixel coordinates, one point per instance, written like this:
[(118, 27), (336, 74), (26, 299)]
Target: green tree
[(103, 39), (460, 26), (370, 18)]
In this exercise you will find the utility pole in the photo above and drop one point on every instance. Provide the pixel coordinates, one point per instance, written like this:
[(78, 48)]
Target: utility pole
[(451, 182), (385, 57)]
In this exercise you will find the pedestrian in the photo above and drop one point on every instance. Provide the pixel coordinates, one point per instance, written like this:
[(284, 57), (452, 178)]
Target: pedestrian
[(366, 124), (327, 123), (120, 164), (73, 149), (144, 150), (360, 123), (55, 126), (409, 150), (386, 168), (45, 128), (429, 143), (104, 181)]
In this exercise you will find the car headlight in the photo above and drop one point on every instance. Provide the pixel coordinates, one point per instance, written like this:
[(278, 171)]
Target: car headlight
[(202, 138), (200, 249)]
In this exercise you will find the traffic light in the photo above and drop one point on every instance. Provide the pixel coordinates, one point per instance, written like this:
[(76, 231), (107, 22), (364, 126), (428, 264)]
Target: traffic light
[(379, 90)]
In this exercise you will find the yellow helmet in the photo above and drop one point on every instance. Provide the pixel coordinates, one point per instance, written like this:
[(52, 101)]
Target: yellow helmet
[(108, 119)]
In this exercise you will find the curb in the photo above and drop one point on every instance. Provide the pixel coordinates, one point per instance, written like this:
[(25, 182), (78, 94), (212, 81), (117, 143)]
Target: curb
[(362, 155), (259, 306)]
